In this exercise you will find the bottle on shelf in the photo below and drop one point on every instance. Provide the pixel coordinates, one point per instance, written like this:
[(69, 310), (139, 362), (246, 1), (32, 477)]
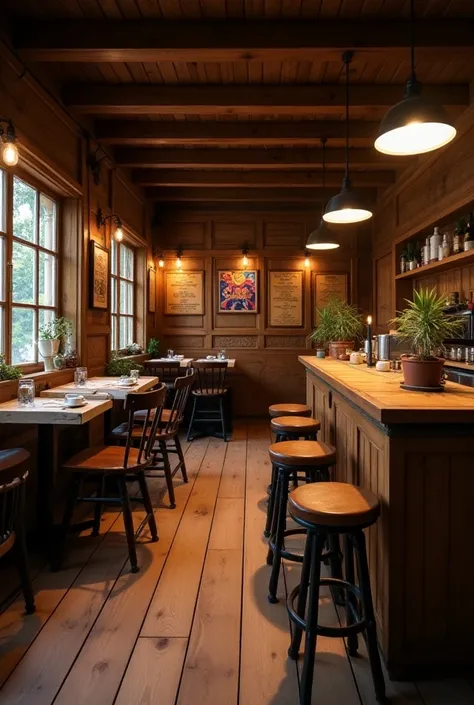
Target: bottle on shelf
[(444, 248), (403, 264), (435, 242), (469, 236), (458, 239), (426, 251)]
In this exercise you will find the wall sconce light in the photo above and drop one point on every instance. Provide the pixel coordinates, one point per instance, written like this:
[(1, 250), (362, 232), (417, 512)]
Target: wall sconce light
[(95, 165), (8, 137), (307, 260), (161, 261), (179, 255), (101, 219), (245, 251)]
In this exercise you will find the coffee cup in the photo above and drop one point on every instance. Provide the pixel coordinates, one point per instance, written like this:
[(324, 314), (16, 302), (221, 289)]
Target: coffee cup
[(74, 400)]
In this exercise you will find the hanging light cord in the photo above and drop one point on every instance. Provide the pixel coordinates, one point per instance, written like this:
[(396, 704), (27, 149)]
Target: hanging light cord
[(412, 40), (347, 58)]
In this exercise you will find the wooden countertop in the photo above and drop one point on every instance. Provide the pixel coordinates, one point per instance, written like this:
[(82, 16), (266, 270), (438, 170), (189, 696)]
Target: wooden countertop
[(380, 396)]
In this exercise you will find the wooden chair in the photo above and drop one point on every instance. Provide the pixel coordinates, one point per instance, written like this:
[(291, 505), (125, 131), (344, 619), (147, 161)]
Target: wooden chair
[(166, 371), (119, 463), (14, 467), (208, 396), (167, 438)]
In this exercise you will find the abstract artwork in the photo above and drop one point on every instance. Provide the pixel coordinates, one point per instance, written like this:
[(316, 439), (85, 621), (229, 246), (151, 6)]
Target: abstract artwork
[(237, 292)]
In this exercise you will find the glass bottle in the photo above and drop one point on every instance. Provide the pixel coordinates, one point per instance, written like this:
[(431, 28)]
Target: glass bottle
[(469, 236), (403, 264), (426, 251), (435, 242), (445, 249), (458, 239)]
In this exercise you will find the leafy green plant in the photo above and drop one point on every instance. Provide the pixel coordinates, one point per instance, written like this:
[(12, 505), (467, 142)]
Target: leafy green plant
[(55, 329), (338, 320), (133, 349), (118, 366), (153, 346), (8, 371), (425, 325)]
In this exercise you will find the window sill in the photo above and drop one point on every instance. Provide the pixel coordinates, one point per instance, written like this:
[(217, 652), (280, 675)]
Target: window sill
[(42, 379)]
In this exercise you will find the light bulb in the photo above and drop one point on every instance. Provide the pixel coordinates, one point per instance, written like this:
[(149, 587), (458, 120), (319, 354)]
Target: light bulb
[(119, 234), (161, 263), (10, 154), (306, 262), (369, 320), (347, 215), (245, 260), (415, 138), (179, 264)]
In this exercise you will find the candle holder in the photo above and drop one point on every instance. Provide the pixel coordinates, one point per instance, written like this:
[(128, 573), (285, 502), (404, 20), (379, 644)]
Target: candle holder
[(370, 362)]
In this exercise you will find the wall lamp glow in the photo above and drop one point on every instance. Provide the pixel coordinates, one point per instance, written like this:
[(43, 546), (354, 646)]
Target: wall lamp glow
[(179, 255), (245, 251), (101, 219), (307, 260), (8, 137)]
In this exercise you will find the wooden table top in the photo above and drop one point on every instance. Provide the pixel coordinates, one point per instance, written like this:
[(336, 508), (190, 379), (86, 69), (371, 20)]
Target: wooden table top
[(183, 362), (52, 411), (380, 396), (102, 384)]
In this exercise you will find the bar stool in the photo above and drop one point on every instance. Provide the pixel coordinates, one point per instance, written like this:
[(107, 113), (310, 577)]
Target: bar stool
[(14, 467), (288, 410), (328, 509), (291, 428), (314, 459)]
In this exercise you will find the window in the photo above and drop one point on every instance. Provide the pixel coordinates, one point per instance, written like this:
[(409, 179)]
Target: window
[(122, 295), (28, 266)]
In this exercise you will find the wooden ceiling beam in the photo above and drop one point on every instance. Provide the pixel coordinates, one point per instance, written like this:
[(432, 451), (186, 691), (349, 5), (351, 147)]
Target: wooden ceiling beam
[(251, 158), (296, 195), (256, 179), (213, 41), (138, 132), (138, 99)]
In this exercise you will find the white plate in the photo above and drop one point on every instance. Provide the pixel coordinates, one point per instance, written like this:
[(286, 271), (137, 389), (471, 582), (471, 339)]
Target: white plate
[(74, 406)]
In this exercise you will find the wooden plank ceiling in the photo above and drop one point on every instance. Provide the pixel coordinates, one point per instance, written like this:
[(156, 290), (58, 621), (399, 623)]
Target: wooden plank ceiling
[(227, 100)]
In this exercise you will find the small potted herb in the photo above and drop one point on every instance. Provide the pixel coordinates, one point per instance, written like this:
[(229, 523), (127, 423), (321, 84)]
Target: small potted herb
[(340, 324), (50, 337), (120, 366), (425, 325), (153, 347)]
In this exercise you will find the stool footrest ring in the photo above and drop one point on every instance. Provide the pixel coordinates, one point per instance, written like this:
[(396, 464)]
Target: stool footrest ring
[(359, 626)]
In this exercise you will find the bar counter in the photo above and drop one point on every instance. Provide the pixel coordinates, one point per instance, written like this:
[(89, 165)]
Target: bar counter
[(415, 451)]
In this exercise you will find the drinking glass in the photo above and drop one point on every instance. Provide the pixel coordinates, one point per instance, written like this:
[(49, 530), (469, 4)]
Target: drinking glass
[(135, 374), (26, 392), (80, 376), (222, 355), (170, 353)]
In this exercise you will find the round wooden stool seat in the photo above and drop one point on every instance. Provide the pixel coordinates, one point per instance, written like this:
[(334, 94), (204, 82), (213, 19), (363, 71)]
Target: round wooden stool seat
[(302, 453), (334, 504), (289, 410), (297, 425)]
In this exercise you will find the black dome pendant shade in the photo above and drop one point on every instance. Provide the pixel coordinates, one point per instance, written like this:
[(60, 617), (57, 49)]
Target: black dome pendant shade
[(347, 206), (414, 125), (322, 238)]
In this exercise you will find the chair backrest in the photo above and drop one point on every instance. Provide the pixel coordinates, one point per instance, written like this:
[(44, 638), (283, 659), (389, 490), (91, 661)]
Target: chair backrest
[(12, 497), (165, 370), (151, 402), (182, 387), (210, 376)]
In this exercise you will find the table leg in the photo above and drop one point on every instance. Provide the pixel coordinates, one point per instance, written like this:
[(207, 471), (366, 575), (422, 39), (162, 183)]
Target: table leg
[(47, 471)]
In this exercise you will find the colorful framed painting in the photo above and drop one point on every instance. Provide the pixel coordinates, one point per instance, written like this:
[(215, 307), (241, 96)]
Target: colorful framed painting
[(237, 291), (99, 276), (152, 290)]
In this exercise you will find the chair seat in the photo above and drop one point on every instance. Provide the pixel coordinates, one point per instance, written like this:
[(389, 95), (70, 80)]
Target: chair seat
[(105, 459), (334, 504), (209, 392), (302, 453), (141, 416), (301, 425), (289, 410), (14, 463)]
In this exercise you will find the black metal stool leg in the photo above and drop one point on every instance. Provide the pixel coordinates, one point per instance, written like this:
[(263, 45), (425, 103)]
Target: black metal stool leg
[(351, 601), (306, 686), (271, 501), (369, 616), (293, 651), (335, 563), (279, 537), (274, 522)]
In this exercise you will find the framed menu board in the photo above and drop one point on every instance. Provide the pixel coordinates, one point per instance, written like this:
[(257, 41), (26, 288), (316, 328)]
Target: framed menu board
[(285, 298), (184, 293), (329, 286)]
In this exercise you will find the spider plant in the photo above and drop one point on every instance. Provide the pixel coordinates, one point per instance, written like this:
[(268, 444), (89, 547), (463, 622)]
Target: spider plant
[(338, 320), (425, 325)]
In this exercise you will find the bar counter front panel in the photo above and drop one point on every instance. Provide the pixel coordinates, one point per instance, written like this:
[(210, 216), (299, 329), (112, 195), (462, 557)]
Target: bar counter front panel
[(415, 451)]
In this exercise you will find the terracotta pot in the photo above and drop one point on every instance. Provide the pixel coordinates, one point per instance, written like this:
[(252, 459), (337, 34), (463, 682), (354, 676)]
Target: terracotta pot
[(339, 347), (422, 373)]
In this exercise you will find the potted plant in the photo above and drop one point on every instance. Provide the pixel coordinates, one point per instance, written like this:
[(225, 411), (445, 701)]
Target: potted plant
[(153, 347), (339, 325), (425, 325), (50, 336), (119, 366), (8, 371)]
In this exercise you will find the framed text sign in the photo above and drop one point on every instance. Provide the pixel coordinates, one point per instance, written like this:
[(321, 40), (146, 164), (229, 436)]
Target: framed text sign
[(237, 291), (329, 286), (184, 293), (285, 298), (99, 276)]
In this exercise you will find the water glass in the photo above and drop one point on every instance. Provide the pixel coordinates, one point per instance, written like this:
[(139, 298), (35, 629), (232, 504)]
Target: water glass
[(170, 353), (221, 355), (26, 392), (135, 374), (80, 376)]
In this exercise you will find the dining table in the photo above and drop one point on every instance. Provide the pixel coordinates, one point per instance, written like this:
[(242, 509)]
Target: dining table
[(50, 415), (102, 385), (183, 361)]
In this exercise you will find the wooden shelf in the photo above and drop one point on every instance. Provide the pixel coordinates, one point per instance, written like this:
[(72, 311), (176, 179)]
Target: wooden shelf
[(451, 262)]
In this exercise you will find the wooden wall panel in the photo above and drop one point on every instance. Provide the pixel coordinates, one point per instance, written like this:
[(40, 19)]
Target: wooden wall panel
[(280, 233), (227, 235), (383, 292)]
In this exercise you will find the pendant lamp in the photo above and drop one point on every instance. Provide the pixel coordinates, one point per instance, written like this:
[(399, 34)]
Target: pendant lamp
[(347, 206), (414, 126), (322, 238)]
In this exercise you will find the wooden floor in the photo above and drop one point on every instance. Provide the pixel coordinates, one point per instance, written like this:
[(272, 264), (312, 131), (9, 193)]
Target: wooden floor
[(193, 627)]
